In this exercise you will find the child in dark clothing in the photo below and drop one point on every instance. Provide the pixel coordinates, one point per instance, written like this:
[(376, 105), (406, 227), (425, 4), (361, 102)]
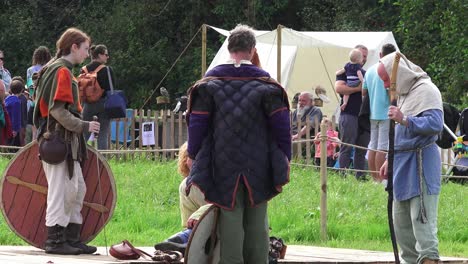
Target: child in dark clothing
[(13, 106)]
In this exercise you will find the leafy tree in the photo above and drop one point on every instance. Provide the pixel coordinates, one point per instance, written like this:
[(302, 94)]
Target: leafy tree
[(436, 41), (145, 38)]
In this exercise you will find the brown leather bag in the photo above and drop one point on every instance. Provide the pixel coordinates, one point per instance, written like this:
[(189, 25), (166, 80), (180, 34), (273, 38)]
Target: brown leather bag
[(126, 251), (52, 148)]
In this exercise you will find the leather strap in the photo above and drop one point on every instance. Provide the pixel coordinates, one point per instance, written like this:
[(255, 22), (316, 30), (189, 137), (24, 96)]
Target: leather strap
[(140, 252), (85, 69)]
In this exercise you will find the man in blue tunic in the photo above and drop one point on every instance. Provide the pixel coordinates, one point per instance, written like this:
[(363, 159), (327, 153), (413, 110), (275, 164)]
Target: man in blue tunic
[(240, 144), (417, 165)]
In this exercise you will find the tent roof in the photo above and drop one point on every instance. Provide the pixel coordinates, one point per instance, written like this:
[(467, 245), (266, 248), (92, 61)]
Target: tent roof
[(310, 58)]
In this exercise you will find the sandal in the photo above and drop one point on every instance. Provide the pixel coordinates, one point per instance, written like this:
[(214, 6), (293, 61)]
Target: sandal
[(277, 248), (167, 256)]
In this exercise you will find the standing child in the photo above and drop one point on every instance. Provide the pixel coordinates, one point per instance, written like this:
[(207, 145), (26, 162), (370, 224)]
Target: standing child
[(6, 133), (354, 73), (331, 144), (58, 106), (13, 107)]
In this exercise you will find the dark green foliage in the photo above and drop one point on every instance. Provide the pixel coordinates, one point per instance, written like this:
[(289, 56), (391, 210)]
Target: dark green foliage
[(432, 34), (146, 37)]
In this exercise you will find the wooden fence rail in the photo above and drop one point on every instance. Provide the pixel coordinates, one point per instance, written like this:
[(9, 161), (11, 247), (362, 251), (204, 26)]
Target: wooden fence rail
[(169, 131), (147, 130), (129, 137)]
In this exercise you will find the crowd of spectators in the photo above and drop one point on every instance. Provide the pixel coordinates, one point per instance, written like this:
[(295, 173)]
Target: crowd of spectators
[(16, 127)]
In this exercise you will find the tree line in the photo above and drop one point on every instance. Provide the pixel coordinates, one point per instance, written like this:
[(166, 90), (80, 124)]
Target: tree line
[(146, 37)]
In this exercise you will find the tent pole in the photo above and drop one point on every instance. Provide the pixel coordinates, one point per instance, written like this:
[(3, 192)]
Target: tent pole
[(278, 54), (203, 52)]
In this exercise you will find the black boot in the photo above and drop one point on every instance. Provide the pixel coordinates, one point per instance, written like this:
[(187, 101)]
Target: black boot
[(72, 233), (57, 244)]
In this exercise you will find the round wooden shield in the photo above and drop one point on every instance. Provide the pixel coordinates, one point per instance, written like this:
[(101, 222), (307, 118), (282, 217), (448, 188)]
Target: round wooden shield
[(203, 244), (23, 195)]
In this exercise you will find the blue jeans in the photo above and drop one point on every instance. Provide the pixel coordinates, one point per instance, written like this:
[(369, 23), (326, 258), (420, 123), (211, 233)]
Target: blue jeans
[(349, 133)]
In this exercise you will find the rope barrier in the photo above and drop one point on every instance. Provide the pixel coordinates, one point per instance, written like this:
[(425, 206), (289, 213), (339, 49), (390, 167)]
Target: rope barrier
[(458, 166), (368, 171), (9, 147), (338, 142), (126, 151)]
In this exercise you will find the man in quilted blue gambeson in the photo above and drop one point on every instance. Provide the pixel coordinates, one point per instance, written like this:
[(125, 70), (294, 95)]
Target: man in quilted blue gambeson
[(240, 144)]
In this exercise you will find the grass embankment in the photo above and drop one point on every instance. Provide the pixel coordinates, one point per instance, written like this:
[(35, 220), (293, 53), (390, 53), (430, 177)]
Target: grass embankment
[(147, 210)]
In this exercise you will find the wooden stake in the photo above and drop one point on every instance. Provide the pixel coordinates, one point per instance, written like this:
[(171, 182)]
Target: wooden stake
[(323, 181)]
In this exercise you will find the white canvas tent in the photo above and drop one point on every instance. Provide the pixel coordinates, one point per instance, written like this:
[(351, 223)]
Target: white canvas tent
[(309, 59)]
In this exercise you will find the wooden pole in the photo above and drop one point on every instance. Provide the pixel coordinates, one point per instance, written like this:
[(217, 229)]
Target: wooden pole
[(203, 53), (278, 54), (323, 181), (308, 125)]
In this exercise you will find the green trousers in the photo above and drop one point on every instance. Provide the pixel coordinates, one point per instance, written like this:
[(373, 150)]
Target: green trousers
[(243, 232), (417, 241)]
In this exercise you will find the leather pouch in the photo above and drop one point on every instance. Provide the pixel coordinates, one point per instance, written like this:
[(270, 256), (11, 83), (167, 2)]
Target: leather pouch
[(126, 251), (52, 148)]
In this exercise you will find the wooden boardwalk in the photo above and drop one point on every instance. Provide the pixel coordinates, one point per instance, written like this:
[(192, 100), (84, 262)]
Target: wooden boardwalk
[(294, 255)]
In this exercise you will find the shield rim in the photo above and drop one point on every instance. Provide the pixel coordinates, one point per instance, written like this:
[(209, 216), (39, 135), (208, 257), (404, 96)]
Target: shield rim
[(111, 181), (212, 209)]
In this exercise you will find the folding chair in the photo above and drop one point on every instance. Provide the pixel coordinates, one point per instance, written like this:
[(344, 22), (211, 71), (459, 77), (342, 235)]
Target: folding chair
[(118, 127)]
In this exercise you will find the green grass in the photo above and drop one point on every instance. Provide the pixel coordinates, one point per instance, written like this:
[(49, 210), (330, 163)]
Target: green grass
[(147, 210)]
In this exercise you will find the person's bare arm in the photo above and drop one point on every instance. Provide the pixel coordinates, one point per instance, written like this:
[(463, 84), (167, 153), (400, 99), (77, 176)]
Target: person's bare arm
[(342, 88)]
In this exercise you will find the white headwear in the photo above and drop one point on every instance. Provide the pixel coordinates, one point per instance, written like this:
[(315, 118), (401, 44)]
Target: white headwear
[(416, 92)]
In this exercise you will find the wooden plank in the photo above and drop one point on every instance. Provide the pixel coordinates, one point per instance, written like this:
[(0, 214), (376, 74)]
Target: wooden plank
[(148, 119), (117, 137), (180, 124), (294, 255), (125, 136), (307, 136), (154, 118), (172, 136), (140, 127), (299, 144), (164, 134), (132, 127), (156, 133)]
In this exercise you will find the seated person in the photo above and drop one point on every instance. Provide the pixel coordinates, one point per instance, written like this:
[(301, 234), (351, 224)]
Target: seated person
[(192, 207), (306, 111), (354, 73)]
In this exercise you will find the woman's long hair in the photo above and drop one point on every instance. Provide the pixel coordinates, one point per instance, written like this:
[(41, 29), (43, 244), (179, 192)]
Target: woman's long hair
[(97, 50), (69, 37), (64, 43), (41, 56)]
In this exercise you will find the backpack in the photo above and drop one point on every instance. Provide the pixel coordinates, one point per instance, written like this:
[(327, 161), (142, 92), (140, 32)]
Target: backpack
[(451, 116), (90, 90)]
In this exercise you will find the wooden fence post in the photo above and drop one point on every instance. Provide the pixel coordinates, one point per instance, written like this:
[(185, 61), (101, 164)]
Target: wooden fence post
[(172, 131), (299, 144), (323, 181), (147, 147), (132, 125), (307, 137), (140, 127)]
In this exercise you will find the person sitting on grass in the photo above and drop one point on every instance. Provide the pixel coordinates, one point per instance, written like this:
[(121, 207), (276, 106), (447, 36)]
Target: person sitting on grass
[(192, 207)]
